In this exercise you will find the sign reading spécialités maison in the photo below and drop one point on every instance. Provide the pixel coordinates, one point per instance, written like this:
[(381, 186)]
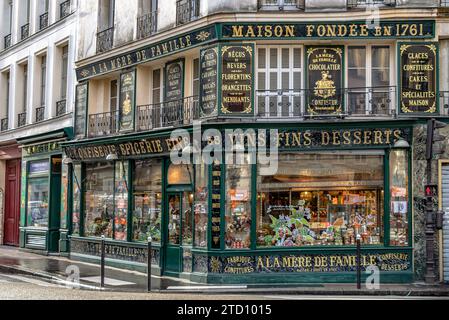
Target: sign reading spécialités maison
[(418, 77)]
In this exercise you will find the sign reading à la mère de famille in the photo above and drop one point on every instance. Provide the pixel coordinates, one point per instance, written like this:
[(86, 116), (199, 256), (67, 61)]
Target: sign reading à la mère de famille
[(325, 80), (418, 77), (237, 79), (302, 263)]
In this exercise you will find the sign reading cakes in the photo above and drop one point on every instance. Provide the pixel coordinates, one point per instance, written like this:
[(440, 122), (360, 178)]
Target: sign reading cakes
[(325, 79), (208, 86), (418, 78), (127, 100), (237, 80)]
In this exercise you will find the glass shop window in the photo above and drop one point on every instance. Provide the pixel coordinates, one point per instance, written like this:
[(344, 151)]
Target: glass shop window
[(121, 200), (399, 188), (325, 202), (99, 199), (147, 200), (238, 206), (201, 204), (76, 189), (38, 194), (180, 174)]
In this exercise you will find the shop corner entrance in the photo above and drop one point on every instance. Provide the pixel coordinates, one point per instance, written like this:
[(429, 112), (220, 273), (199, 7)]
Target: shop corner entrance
[(179, 213)]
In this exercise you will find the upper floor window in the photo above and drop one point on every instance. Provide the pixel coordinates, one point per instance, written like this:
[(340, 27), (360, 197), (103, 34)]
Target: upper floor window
[(196, 77), (43, 79), (4, 111), (147, 21), (370, 88), (43, 14), (105, 36), (64, 66), (281, 4), (187, 10)]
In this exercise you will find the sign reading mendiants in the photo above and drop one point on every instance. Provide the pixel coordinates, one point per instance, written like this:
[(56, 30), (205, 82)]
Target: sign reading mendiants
[(418, 89), (237, 79)]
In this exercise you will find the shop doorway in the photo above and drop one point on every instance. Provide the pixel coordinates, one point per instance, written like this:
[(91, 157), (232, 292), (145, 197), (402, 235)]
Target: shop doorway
[(179, 215), (12, 202)]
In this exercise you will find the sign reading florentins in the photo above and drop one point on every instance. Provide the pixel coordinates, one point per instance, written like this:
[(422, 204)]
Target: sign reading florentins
[(418, 78), (237, 80)]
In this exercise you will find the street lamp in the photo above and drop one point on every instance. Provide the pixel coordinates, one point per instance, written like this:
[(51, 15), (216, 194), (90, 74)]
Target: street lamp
[(401, 144)]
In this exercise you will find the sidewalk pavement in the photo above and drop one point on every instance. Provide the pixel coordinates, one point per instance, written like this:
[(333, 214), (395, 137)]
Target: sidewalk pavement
[(54, 269)]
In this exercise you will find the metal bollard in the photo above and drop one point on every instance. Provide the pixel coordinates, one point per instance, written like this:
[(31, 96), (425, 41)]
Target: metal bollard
[(102, 262), (149, 256), (359, 267)]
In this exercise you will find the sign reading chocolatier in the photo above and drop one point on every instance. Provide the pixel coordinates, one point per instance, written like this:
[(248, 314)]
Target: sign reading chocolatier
[(418, 78), (127, 100), (208, 80), (237, 80), (325, 80)]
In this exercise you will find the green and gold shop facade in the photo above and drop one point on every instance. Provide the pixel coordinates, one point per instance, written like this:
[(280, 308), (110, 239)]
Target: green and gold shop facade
[(237, 222), (44, 200), (337, 177)]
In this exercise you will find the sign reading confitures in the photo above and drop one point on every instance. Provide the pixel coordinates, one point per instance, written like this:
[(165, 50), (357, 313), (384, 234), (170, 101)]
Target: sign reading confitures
[(418, 85), (287, 139), (422, 29)]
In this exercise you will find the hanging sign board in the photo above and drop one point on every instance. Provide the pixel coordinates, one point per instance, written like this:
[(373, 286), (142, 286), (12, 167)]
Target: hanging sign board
[(418, 83), (324, 80)]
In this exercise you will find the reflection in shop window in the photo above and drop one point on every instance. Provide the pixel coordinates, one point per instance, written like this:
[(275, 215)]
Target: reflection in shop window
[(238, 206), (76, 211), (399, 198), (99, 199), (326, 202), (121, 201), (38, 194), (201, 204), (147, 200)]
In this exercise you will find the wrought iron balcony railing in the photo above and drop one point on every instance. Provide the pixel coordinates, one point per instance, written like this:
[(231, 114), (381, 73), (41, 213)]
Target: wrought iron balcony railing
[(40, 114), (103, 124), (43, 21), (105, 40), (187, 10), (4, 124), (361, 3), (7, 41), (377, 101), (22, 120), (25, 31), (146, 25), (65, 9), (167, 114), (61, 108), (281, 4)]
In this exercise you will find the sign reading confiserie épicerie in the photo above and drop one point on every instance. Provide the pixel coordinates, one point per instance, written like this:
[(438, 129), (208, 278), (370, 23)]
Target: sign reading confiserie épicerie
[(418, 78)]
